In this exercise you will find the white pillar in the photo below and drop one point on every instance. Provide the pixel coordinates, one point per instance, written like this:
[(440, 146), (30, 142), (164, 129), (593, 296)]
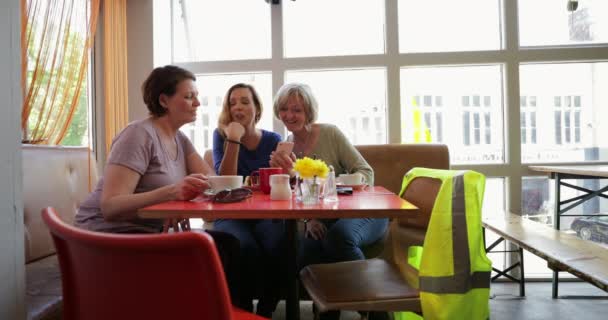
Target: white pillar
[(12, 270)]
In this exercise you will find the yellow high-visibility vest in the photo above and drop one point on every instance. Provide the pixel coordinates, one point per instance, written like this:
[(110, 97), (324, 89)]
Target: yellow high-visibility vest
[(454, 271)]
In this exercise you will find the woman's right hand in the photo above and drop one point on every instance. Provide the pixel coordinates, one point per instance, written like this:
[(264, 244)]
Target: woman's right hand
[(234, 131), (191, 186)]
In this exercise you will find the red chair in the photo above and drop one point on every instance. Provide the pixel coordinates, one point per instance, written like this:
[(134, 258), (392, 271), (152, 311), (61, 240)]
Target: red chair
[(161, 276)]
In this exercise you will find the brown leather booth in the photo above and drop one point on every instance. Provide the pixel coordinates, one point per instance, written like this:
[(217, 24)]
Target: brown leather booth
[(60, 177)]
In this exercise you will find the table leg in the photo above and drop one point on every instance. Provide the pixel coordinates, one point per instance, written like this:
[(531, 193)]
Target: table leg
[(556, 225), (292, 300), (557, 209)]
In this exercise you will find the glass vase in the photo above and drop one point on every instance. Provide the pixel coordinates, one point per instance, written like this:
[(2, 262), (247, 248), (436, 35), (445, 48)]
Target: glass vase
[(311, 190)]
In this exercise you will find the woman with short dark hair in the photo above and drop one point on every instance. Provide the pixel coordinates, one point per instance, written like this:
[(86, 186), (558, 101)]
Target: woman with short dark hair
[(151, 161)]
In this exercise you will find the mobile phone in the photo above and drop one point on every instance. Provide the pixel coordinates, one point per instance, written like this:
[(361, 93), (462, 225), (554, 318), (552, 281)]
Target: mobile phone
[(285, 146), (344, 190)]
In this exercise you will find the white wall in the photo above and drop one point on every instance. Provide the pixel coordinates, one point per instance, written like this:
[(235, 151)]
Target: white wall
[(140, 53), (12, 270)]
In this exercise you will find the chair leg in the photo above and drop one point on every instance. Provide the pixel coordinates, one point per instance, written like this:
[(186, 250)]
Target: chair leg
[(378, 315), (315, 312)]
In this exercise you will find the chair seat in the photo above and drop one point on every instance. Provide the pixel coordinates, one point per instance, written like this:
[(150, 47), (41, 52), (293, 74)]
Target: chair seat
[(342, 286)]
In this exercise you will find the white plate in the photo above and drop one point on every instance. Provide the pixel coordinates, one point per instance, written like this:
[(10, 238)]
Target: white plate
[(354, 186)]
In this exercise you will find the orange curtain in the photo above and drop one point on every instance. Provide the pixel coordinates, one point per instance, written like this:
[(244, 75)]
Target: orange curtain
[(115, 68), (56, 36)]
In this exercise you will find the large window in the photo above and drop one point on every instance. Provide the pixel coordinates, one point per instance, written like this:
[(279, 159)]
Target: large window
[(587, 25), (500, 94), (469, 98), (58, 81), (360, 114)]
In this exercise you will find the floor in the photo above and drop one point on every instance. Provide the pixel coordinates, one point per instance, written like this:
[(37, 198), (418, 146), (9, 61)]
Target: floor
[(506, 304)]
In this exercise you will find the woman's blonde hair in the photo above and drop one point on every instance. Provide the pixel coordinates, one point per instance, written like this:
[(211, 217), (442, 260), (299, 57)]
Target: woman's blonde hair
[(302, 92), (225, 118)]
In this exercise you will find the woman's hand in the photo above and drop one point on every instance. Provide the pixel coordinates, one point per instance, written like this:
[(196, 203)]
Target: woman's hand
[(280, 159), (315, 229), (234, 131), (191, 186)]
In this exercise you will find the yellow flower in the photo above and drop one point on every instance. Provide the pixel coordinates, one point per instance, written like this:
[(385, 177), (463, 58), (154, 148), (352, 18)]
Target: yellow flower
[(309, 168)]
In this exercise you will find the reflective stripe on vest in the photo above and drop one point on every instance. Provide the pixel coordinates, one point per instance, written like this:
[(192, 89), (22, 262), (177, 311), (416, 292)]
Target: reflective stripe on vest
[(463, 280)]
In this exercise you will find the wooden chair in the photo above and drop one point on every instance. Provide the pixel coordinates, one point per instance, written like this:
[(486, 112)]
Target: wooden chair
[(159, 276), (386, 283), (391, 162)]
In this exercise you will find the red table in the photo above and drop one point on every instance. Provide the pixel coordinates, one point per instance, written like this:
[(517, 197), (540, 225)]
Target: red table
[(372, 202)]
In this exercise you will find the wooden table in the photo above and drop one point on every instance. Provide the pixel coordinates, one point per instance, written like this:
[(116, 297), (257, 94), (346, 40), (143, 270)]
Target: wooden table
[(372, 202), (562, 172)]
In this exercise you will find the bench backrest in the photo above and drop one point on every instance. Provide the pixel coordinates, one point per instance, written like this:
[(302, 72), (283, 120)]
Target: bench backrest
[(57, 177)]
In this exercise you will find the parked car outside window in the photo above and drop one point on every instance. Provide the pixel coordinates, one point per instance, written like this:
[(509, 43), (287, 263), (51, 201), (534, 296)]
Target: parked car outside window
[(591, 228)]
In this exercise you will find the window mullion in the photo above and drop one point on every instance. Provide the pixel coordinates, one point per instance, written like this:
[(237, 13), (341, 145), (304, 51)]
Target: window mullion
[(278, 56), (393, 85)]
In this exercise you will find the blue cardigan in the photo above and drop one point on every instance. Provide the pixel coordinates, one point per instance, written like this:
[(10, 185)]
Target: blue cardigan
[(249, 160)]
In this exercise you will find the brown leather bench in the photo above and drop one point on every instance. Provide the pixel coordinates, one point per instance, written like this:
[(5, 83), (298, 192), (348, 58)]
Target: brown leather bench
[(563, 251), (57, 177)]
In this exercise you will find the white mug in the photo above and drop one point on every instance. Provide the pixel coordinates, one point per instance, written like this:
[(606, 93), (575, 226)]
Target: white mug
[(219, 183), (353, 179)]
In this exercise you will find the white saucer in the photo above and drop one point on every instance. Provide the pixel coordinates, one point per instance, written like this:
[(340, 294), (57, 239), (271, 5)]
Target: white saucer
[(357, 187), (209, 192)]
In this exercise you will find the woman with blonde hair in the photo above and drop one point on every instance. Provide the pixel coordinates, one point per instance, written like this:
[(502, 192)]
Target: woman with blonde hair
[(239, 148), (325, 240)]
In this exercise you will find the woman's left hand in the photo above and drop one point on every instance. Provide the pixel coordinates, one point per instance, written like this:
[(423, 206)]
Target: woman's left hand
[(315, 229)]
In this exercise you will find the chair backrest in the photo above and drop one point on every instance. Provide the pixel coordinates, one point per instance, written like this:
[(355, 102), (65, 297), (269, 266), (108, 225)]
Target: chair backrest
[(161, 276), (391, 161), (421, 192)]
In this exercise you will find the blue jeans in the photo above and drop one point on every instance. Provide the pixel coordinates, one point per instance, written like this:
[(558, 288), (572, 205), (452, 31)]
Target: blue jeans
[(262, 254), (343, 241)]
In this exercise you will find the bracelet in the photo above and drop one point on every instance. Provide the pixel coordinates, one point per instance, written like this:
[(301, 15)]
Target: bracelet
[(233, 141)]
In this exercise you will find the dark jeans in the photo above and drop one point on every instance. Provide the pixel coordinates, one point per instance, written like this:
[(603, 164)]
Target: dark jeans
[(228, 249), (262, 254), (343, 242)]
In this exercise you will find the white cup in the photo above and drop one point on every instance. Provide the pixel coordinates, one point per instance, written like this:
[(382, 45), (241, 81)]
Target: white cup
[(219, 183), (353, 179)]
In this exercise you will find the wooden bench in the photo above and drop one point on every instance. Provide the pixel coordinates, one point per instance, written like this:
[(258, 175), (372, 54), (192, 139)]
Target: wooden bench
[(563, 251)]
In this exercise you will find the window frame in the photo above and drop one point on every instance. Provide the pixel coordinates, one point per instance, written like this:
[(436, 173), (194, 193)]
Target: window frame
[(510, 58)]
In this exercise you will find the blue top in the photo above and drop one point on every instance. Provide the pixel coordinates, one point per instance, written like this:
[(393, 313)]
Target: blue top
[(249, 160)]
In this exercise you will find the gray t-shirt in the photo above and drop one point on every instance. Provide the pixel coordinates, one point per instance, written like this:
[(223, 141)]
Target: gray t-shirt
[(139, 148)]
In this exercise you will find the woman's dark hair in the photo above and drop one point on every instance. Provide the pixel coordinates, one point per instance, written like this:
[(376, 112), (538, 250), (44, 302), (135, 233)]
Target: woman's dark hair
[(162, 80)]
